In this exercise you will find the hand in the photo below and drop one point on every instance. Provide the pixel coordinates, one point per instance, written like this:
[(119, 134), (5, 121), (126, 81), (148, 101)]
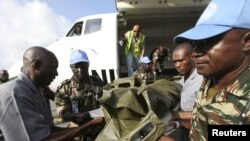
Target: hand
[(121, 43), (165, 138), (95, 127), (97, 120), (82, 118)]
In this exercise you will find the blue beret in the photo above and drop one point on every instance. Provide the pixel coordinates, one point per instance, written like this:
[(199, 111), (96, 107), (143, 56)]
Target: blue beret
[(78, 56)]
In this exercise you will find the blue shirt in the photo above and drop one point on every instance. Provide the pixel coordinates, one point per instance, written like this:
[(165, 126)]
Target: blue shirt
[(24, 115), (190, 89)]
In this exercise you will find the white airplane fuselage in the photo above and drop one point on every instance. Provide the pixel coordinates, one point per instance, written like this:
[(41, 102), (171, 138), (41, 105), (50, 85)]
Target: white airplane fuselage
[(160, 22)]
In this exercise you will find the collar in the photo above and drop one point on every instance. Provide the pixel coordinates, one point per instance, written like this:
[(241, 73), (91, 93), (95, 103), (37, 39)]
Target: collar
[(80, 86), (239, 88), (23, 77), (192, 76)]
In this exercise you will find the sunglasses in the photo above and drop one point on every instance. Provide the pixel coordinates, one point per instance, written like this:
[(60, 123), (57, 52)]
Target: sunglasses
[(208, 43)]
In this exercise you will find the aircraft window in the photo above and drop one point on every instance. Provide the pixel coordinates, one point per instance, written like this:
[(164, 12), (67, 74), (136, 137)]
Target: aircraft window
[(93, 25), (76, 30)]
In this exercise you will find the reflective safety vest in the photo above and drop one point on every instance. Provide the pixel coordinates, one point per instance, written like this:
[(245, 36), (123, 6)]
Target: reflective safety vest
[(137, 46)]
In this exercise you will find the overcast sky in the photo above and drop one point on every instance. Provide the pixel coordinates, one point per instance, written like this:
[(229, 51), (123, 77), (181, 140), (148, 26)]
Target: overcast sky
[(26, 23)]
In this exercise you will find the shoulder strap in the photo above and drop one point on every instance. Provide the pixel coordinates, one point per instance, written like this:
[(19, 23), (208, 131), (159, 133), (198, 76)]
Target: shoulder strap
[(242, 118)]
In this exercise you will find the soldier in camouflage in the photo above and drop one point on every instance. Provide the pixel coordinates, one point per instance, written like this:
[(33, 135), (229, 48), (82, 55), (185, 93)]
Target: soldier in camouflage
[(144, 74), (158, 55), (80, 94), (222, 55)]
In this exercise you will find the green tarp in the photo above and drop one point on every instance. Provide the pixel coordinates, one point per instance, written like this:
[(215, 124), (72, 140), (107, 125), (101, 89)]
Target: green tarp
[(134, 113)]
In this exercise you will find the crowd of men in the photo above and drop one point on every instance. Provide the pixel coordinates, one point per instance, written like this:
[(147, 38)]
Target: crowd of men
[(212, 58)]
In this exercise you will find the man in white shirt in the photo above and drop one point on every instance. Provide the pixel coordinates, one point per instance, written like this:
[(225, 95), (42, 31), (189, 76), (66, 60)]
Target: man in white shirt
[(191, 82)]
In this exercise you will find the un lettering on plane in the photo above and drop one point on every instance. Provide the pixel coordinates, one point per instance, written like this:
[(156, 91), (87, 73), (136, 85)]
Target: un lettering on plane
[(100, 46)]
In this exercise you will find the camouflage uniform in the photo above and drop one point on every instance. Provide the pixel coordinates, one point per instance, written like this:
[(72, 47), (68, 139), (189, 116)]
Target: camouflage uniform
[(222, 109), (142, 76), (73, 98), (159, 58), (155, 56)]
